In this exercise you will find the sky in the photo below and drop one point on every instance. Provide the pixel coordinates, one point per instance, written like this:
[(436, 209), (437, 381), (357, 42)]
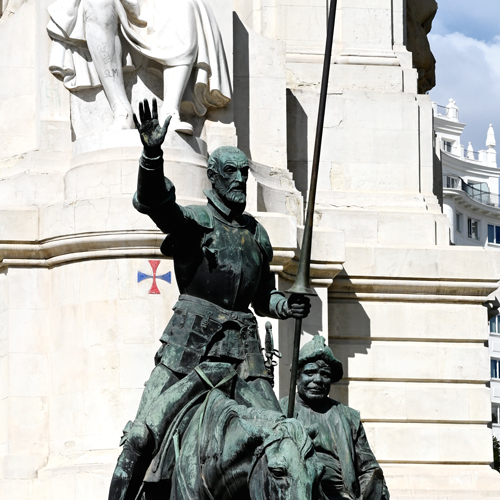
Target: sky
[(465, 40)]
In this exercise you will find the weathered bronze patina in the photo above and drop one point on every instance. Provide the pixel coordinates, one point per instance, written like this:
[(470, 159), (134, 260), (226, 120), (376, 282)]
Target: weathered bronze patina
[(351, 470), (230, 451), (222, 261)]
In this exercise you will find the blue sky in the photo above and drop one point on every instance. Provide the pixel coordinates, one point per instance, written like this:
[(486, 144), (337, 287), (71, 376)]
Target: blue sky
[(465, 40)]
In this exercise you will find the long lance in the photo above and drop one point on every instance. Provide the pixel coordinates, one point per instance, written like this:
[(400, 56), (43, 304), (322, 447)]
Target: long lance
[(302, 285)]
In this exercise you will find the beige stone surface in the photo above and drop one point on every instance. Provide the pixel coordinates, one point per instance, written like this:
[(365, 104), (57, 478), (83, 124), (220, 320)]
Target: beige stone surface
[(17, 83), (441, 482), (436, 443), (376, 320), (400, 307), (436, 361), (415, 401), (260, 95)]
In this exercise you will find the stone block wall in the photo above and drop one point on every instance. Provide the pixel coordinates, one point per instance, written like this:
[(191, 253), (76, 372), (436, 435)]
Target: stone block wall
[(400, 307)]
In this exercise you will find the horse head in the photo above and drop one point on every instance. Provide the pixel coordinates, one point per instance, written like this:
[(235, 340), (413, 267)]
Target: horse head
[(231, 451), (285, 466)]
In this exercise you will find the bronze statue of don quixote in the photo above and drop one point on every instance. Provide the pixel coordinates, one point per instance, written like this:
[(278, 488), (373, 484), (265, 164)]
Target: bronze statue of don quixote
[(209, 426)]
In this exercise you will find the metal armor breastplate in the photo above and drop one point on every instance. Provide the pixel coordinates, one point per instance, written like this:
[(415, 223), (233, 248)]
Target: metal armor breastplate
[(229, 267)]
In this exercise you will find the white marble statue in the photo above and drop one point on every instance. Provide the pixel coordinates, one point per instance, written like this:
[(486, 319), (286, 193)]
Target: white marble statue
[(94, 40), (10, 7)]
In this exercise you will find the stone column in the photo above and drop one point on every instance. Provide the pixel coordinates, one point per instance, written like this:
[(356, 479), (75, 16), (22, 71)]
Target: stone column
[(405, 313)]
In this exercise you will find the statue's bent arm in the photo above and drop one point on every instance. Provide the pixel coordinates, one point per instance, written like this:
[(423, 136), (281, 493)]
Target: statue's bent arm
[(155, 197), (267, 300)]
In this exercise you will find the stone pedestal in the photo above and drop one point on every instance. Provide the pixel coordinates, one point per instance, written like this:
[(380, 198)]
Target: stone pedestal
[(400, 307)]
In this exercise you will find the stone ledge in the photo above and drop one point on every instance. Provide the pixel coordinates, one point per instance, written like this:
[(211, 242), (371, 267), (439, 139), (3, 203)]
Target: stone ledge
[(440, 263), (61, 250), (408, 290), (71, 248)]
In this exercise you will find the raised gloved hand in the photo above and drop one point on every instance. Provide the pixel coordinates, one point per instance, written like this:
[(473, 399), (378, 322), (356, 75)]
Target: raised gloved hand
[(151, 132)]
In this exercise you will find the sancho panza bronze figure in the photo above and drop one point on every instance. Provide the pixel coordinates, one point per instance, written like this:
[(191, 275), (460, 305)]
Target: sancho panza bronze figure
[(351, 470), (221, 258)]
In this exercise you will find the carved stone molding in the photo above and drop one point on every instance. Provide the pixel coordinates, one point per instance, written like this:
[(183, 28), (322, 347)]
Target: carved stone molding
[(410, 290)]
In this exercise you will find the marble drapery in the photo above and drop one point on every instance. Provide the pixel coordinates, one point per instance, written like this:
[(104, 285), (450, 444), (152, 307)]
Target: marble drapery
[(154, 34)]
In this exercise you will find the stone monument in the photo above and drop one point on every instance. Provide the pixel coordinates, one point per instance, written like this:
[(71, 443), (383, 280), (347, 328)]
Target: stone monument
[(80, 317)]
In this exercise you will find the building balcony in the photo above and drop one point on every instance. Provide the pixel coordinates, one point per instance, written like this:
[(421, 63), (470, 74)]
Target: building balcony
[(455, 182), (449, 112)]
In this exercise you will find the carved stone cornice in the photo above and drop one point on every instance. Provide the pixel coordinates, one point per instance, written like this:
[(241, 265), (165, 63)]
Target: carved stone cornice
[(412, 290), (322, 273), (103, 245), (77, 247)]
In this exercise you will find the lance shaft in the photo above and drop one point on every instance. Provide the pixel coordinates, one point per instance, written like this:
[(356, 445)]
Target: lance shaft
[(302, 285)]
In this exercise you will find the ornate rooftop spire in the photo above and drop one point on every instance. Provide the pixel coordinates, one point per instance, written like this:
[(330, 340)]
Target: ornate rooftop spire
[(490, 138), (470, 151)]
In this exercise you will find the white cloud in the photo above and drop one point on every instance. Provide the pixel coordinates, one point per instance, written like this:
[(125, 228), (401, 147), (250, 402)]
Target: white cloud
[(468, 70)]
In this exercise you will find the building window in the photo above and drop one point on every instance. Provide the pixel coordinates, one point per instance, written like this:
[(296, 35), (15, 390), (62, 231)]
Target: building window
[(495, 368), (458, 222), (495, 324), (493, 234), (495, 413), (473, 229), (448, 146), (452, 182)]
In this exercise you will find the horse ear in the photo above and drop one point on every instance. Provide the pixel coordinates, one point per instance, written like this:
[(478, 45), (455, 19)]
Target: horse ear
[(257, 434), (312, 430)]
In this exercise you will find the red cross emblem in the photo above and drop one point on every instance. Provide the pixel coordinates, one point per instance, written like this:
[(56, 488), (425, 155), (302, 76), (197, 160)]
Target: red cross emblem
[(154, 287)]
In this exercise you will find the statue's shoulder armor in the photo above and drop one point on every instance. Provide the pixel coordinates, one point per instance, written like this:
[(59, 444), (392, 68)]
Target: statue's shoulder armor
[(261, 236), (200, 214)]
